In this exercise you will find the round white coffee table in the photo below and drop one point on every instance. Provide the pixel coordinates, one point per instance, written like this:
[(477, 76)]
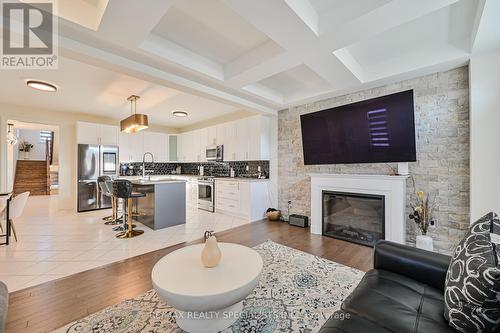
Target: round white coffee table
[(207, 299)]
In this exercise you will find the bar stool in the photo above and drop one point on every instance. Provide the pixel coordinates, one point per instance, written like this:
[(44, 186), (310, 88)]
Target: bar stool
[(116, 219), (101, 181), (120, 219), (122, 189)]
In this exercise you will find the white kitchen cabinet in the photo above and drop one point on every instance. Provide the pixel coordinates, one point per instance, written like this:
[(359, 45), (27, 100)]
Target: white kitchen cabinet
[(125, 148), (211, 136), (87, 133), (230, 141), (199, 145), (244, 140), (219, 139), (134, 145), (96, 134), (137, 146), (187, 147), (191, 146), (156, 143), (131, 147), (108, 135), (181, 149), (243, 198), (247, 139), (258, 138)]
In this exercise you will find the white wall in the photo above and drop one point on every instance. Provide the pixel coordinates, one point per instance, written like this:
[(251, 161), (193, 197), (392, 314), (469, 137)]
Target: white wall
[(485, 134), (12, 155), (33, 137)]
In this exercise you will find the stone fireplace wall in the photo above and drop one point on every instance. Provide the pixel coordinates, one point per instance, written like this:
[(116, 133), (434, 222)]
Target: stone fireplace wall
[(442, 167)]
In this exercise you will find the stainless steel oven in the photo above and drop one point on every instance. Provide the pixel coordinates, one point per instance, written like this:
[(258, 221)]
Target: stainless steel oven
[(206, 193), (214, 153)]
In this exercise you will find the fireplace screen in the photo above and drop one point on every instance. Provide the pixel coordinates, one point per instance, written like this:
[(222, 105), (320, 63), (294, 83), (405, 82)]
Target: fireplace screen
[(353, 217)]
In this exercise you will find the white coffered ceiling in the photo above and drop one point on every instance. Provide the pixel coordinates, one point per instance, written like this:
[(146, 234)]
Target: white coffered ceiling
[(265, 55), (96, 91)]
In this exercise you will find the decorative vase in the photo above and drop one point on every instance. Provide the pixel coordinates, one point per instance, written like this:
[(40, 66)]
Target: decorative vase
[(424, 242), (26, 155), (211, 255)]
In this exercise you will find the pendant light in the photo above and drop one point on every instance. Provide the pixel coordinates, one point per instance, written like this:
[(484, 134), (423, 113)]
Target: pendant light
[(11, 137), (136, 122)]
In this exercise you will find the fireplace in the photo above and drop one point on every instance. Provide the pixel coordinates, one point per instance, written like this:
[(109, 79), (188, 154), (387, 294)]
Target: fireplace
[(354, 217)]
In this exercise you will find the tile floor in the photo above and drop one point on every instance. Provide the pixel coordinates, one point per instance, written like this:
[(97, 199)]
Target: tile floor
[(54, 243)]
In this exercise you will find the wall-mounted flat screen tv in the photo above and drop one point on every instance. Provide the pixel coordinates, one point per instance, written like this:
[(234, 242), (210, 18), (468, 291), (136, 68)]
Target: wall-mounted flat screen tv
[(377, 130)]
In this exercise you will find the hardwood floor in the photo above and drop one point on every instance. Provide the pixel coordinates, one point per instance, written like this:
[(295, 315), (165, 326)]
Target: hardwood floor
[(51, 305)]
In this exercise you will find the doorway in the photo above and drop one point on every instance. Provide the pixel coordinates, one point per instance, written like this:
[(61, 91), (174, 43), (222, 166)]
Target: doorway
[(33, 158)]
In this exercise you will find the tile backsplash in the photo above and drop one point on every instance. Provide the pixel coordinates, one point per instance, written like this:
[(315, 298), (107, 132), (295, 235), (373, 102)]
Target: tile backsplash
[(216, 169)]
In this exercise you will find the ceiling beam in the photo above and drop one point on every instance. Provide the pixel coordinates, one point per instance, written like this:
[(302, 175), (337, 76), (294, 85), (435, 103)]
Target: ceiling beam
[(240, 73), (129, 22), (306, 12), (98, 57), (175, 53), (293, 35), (383, 18)]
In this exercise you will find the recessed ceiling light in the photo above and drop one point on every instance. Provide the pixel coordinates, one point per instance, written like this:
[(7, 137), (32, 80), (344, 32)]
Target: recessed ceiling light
[(180, 113), (42, 86)]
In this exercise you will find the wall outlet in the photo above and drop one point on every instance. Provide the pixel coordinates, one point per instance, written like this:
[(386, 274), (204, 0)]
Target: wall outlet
[(433, 223)]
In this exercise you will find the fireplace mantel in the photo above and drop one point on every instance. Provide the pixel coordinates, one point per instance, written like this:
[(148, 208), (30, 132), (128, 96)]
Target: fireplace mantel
[(393, 188)]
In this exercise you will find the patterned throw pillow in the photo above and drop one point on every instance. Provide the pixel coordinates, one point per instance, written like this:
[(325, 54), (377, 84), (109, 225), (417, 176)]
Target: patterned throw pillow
[(472, 289)]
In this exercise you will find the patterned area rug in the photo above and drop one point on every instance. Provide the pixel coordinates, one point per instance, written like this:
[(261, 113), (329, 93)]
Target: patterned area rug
[(297, 292)]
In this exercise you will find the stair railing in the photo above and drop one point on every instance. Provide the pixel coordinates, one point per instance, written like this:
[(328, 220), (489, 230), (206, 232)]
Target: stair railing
[(48, 162)]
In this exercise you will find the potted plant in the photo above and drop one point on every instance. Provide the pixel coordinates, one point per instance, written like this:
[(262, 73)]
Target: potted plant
[(25, 147), (421, 214)]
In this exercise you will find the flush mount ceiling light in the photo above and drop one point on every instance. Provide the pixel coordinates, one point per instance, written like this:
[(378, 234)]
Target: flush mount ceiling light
[(11, 137), (180, 113), (136, 122), (41, 86)]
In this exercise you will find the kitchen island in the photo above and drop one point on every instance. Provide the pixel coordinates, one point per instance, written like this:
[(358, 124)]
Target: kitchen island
[(164, 204)]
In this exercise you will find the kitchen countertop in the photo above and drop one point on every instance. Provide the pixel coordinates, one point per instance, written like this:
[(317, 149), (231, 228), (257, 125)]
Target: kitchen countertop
[(173, 178), (244, 179), (154, 181)]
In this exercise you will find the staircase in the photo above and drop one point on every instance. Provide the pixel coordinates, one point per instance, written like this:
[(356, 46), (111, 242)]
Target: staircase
[(32, 176)]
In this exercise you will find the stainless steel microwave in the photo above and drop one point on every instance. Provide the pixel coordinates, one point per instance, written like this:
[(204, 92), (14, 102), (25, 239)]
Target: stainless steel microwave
[(214, 153)]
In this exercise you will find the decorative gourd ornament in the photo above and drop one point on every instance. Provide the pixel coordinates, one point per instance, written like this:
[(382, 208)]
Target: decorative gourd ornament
[(211, 255)]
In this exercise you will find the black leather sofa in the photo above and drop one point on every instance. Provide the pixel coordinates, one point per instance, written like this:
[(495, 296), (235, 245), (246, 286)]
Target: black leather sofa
[(402, 293)]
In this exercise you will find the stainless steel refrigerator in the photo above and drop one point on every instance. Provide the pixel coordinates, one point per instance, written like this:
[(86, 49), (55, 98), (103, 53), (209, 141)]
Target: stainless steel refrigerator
[(95, 161)]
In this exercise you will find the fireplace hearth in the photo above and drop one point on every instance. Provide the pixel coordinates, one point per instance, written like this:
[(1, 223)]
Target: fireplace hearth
[(354, 217)]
